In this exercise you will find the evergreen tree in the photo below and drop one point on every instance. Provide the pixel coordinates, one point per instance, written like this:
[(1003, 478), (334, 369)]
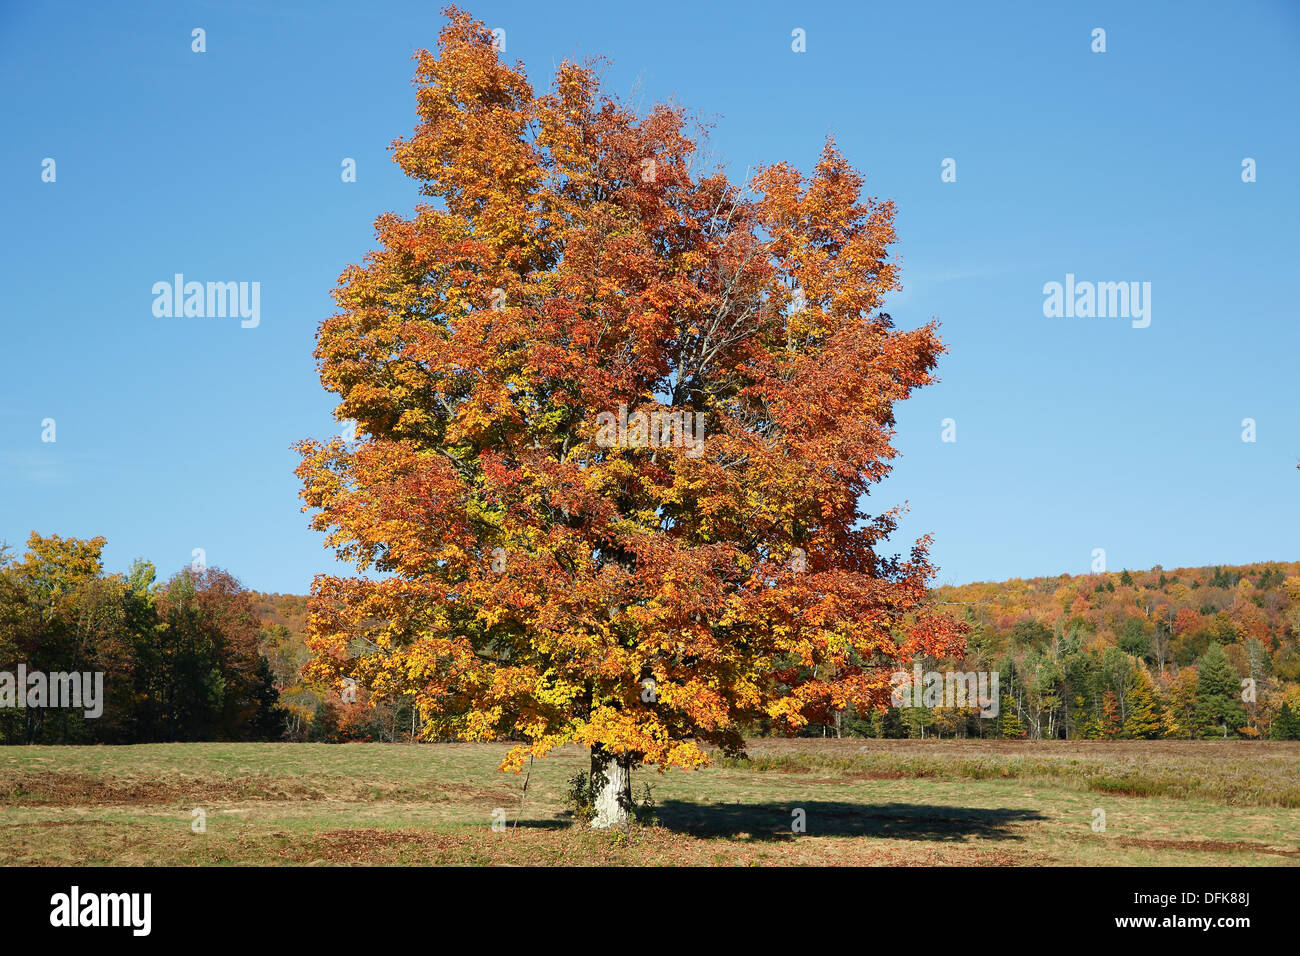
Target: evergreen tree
[(1286, 724), (268, 722), (1217, 692), (325, 724), (916, 720), (888, 724)]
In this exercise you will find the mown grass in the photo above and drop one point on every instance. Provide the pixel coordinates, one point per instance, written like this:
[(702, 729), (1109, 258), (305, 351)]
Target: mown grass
[(863, 802)]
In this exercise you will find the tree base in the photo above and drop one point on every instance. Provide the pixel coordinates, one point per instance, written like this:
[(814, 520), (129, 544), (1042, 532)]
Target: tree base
[(611, 789)]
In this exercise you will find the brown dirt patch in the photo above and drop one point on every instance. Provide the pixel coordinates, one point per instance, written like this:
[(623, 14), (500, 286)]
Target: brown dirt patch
[(82, 790), (871, 775), (1207, 846)]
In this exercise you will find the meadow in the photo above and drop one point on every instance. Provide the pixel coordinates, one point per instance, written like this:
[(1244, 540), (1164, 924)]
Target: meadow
[(864, 802)]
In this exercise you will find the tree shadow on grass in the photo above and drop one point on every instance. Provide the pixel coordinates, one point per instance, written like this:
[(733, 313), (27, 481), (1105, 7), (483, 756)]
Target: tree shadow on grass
[(894, 821), (563, 823)]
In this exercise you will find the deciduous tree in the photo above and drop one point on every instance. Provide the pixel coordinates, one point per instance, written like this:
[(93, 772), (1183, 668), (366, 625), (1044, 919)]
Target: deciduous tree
[(546, 578), (1143, 720)]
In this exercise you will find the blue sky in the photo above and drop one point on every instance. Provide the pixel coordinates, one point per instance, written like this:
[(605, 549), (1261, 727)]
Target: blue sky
[(1072, 434)]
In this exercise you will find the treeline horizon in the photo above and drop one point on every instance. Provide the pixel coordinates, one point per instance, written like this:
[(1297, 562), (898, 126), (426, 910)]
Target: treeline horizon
[(181, 657), (1194, 652)]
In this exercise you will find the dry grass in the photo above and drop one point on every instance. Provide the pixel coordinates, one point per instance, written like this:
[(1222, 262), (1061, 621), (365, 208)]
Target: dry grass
[(1234, 773), (888, 803)]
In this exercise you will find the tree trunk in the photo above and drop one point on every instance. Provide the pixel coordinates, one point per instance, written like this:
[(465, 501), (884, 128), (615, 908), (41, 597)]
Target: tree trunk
[(611, 787)]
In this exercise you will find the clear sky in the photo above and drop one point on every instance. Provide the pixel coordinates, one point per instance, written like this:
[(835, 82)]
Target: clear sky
[(1071, 433)]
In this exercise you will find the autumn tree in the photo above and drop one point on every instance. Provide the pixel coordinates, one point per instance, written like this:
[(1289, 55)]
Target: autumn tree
[(1143, 720), (1184, 714), (61, 614), (615, 418), (1111, 723), (1009, 725)]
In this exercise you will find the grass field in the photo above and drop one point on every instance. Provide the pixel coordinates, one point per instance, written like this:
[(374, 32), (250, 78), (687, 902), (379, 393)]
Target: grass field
[(865, 802)]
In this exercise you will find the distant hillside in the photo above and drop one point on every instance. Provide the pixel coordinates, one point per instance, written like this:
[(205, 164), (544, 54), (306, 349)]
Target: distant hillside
[(1216, 645), (289, 610), (1167, 617)]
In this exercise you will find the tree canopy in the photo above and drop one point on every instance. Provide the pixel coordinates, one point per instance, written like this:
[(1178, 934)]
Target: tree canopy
[(541, 579)]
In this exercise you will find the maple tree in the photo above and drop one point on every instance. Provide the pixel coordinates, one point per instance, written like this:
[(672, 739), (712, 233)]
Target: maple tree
[(647, 598), (1111, 720)]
